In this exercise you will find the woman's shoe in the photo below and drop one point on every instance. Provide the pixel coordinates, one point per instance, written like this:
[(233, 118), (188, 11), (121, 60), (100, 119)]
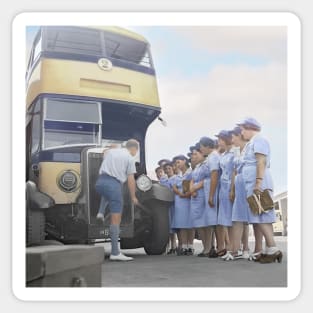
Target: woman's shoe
[(202, 254), (256, 256), (212, 253), (271, 258), (190, 251), (172, 251), (246, 254), (180, 251), (185, 252), (222, 252), (228, 256), (238, 255)]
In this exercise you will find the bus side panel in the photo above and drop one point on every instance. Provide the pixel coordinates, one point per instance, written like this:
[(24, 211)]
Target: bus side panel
[(34, 85), (87, 79)]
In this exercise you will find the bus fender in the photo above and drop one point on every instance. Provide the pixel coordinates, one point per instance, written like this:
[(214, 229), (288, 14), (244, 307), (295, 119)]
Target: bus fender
[(157, 192), (35, 199)]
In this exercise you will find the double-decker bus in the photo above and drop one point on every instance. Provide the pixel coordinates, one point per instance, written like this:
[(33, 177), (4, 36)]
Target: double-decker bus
[(86, 89)]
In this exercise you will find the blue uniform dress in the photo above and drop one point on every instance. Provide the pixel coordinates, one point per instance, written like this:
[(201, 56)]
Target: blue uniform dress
[(240, 206), (212, 163), (181, 216), (257, 144), (199, 214), (168, 182), (224, 216)]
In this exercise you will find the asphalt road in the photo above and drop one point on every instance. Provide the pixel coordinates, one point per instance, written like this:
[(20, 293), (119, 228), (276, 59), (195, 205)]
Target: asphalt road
[(193, 271)]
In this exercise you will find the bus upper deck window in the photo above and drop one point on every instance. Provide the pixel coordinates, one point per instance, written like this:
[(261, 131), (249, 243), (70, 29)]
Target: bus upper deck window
[(127, 49), (96, 42), (74, 40)]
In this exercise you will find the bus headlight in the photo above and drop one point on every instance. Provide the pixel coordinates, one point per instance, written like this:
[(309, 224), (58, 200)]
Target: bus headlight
[(68, 181), (144, 183)]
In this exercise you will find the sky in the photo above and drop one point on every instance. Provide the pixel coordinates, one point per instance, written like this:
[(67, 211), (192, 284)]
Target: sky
[(211, 77)]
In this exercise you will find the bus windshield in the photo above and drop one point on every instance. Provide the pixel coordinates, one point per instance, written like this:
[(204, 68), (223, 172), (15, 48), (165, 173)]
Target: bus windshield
[(100, 43), (71, 123)]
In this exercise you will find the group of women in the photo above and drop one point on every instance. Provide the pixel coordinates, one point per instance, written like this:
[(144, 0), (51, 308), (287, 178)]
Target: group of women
[(211, 188)]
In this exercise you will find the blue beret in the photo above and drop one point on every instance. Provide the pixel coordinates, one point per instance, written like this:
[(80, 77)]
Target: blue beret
[(191, 148), (250, 122), (236, 131), (207, 142), (224, 134), (180, 157), (169, 163), (163, 161), (197, 146)]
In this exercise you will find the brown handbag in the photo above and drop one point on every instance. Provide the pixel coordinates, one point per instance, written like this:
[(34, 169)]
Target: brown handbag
[(266, 200), (186, 186), (260, 203), (255, 204)]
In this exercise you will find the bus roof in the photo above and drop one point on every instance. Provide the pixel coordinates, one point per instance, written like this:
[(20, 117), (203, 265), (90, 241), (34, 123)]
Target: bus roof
[(120, 31)]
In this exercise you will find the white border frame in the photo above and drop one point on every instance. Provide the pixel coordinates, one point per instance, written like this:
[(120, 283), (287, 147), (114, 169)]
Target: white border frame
[(161, 19)]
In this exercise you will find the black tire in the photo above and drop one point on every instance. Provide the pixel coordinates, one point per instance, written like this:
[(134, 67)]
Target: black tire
[(131, 243), (35, 224), (155, 243), (35, 227)]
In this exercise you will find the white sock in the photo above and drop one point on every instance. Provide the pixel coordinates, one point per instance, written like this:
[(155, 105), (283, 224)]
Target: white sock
[(271, 250), (184, 246), (190, 246), (114, 234)]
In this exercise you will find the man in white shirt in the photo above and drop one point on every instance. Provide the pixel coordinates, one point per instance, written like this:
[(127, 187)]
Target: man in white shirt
[(118, 166)]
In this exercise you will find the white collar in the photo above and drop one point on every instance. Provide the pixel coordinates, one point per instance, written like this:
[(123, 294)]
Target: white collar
[(253, 137), (187, 172)]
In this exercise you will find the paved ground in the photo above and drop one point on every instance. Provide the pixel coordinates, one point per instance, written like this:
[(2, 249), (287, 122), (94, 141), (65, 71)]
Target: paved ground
[(192, 271)]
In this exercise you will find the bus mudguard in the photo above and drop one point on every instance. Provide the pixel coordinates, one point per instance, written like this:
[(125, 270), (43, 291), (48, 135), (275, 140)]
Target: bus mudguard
[(37, 200), (157, 192)]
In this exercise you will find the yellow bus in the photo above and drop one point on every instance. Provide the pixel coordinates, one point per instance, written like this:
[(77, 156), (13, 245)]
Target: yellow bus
[(86, 89)]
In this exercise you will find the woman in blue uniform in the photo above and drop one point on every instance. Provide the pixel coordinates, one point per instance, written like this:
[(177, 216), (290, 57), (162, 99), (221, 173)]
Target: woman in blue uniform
[(181, 217), (168, 180), (159, 172), (199, 214), (241, 208), (207, 147), (224, 217), (240, 205), (257, 177), (193, 162)]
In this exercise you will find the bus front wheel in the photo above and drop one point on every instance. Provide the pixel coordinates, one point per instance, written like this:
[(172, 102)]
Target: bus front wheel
[(155, 243)]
